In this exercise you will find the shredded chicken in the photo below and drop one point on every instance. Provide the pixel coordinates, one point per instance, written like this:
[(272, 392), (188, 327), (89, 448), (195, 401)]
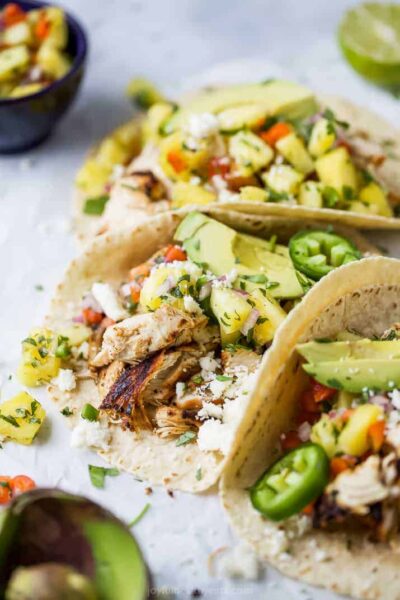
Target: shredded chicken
[(135, 338), (240, 358), (172, 421), (393, 333), (355, 490)]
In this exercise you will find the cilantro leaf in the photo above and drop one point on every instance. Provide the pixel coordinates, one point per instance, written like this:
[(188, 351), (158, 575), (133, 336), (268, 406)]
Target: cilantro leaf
[(98, 475)]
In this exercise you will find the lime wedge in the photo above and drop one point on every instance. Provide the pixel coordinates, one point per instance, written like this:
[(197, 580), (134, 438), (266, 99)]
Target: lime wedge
[(369, 36)]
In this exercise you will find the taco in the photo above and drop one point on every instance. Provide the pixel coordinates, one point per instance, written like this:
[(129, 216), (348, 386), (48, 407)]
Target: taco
[(313, 482), (160, 332), (270, 148)]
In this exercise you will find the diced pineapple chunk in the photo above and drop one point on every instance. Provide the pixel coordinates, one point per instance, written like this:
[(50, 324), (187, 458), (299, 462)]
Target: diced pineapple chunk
[(251, 193), (39, 362), (26, 90), (156, 286), (58, 35), (178, 161), (324, 433), (53, 62), (17, 34), (21, 418), (184, 194), (249, 152), (283, 179), (13, 61), (129, 136), (271, 316), (231, 310), (92, 177), (76, 334), (374, 196), (354, 437), (322, 138), (110, 153), (293, 149), (310, 194), (336, 169), (157, 115)]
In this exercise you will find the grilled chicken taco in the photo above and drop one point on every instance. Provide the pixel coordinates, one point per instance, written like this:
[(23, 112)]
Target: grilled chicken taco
[(269, 148), (315, 483), (156, 335)]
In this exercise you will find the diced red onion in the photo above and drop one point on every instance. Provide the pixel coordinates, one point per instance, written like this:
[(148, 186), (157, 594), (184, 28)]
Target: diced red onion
[(241, 293), (77, 319), (304, 431), (166, 285), (380, 400), (205, 290), (126, 289), (250, 321)]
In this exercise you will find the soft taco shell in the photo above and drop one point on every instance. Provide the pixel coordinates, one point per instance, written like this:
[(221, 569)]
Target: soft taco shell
[(362, 296), (362, 121), (109, 259)]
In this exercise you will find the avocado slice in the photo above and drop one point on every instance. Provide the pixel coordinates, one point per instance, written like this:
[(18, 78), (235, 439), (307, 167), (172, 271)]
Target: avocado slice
[(84, 537), (316, 352), (259, 263), (275, 96), (356, 375)]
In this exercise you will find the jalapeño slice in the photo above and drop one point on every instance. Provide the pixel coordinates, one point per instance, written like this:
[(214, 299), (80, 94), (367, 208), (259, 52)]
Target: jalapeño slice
[(291, 483), (316, 253)]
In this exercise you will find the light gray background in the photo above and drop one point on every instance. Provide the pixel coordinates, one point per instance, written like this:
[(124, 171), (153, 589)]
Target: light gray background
[(173, 43)]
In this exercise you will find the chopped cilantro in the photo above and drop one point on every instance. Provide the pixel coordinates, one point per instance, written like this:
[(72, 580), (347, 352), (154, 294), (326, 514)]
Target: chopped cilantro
[(330, 196), (140, 516), (39, 287), (29, 340), (199, 474), (223, 378), (66, 412), (96, 206), (10, 420), (98, 475), (185, 438)]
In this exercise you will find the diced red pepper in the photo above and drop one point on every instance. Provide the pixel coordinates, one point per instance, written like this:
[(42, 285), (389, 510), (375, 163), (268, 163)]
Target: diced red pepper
[(290, 440), (341, 463), (12, 14), (42, 28), (308, 403), (91, 317), (309, 509), (5, 490), (177, 161), (174, 253), (275, 133), (376, 433), (218, 166), (321, 392), (21, 484), (139, 273)]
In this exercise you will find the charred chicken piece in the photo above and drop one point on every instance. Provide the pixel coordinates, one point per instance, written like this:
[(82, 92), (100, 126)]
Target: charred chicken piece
[(172, 421)]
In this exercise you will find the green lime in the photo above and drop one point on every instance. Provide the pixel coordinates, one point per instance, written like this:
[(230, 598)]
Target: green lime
[(369, 36)]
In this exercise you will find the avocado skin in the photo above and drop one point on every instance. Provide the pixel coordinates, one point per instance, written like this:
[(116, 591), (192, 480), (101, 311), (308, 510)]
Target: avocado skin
[(84, 536), (358, 374)]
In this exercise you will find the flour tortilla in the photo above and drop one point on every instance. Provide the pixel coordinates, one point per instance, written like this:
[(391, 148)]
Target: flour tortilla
[(364, 297), (360, 120), (109, 259)]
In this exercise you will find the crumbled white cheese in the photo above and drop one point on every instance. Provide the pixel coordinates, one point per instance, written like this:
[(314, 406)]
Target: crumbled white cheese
[(214, 436), (109, 301), (239, 562), (117, 172), (191, 306), (65, 380), (203, 125), (219, 183), (321, 556), (209, 363), (395, 398), (227, 281), (180, 390), (195, 180), (277, 541), (81, 352), (90, 434), (210, 410), (228, 196), (217, 388)]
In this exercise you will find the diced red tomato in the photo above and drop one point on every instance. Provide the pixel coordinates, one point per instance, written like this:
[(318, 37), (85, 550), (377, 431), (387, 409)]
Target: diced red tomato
[(21, 484), (275, 133), (91, 317), (308, 403), (177, 161), (322, 392), (12, 14), (135, 294), (309, 509), (218, 166), (307, 417), (344, 144), (376, 433), (42, 28), (340, 464), (5, 490), (290, 440), (174, 253)]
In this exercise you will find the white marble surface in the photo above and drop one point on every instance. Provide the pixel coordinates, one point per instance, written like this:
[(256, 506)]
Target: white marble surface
[(172, 42)]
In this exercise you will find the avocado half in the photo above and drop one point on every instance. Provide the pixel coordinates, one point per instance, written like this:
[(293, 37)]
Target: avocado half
[(46, 529)]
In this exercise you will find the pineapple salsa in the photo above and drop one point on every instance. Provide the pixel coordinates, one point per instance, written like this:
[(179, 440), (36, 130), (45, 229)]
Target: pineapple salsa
[(263, 143), (32, 49), (340, 460)]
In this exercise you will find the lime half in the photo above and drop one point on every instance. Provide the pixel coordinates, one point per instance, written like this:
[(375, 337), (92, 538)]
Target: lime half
[(369, 36)]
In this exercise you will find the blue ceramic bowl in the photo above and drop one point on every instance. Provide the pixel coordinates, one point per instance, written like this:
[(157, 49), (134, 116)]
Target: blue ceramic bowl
[(28, 121)]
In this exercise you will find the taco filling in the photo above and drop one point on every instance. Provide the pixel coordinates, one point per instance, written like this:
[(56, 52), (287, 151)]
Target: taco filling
[(174, 347), (263, 143), (340, 461)]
